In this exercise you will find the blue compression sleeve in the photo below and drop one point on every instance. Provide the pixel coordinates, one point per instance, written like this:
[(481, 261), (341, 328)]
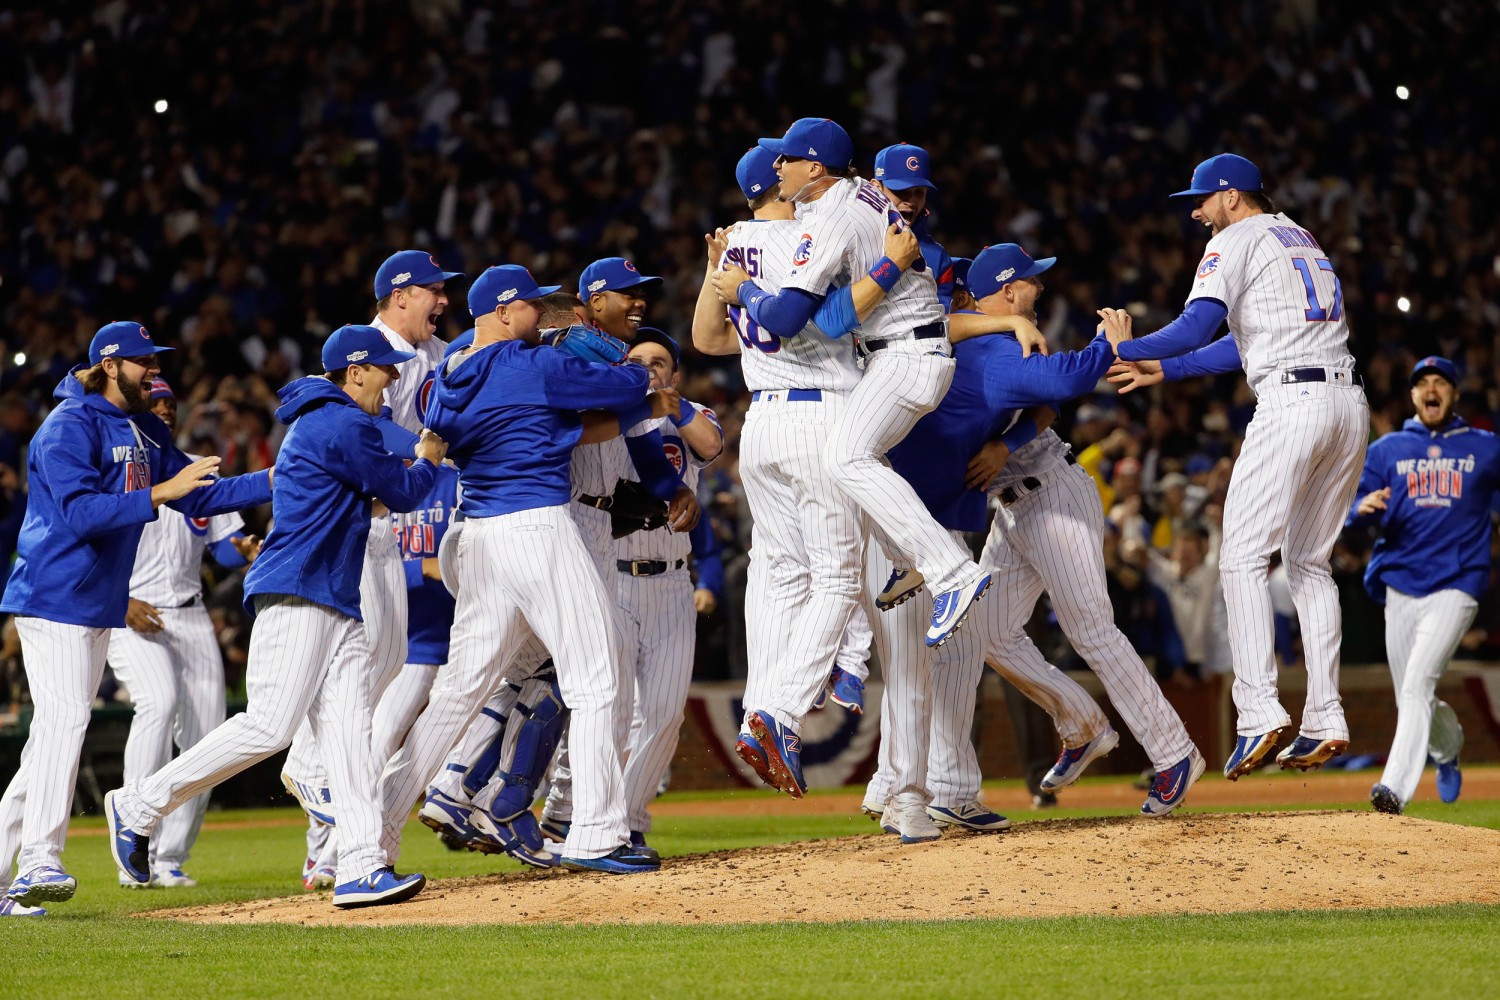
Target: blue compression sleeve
[(836, 316), (657, 473), (707, 556), (1223, 355), (1198, 322), (225, 554), (783, 314)]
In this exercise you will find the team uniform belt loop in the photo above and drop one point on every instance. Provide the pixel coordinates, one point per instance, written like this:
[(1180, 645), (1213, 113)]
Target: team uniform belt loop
[(1030, 484), (648, 567), (598, 503), (787, 395), (929, 332), (1337, 376)]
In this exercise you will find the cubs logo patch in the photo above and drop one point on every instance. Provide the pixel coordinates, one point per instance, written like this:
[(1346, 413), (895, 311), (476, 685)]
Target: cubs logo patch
[(673, 451), (1210, 265), (913, 164), (803, 253), (434, 262), (197, 525), (424, 394), (1433, 451), (630, 266)]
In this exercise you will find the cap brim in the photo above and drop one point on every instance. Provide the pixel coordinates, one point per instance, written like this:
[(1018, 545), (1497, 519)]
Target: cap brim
[(1038, 266), (774, 145), (1189, 193), (541, 292), (900, 185), (1431, 368), (391, 357)]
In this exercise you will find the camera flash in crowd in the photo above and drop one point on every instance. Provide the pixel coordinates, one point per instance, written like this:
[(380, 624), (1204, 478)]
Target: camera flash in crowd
[(1404, 304), (161, 107), (1402, 93)]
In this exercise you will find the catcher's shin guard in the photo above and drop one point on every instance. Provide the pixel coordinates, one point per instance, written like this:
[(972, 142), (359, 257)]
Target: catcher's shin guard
[(532, 733)]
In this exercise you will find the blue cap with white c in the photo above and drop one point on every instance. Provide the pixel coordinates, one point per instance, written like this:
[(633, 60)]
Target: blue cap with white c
[(1221, 173), (904, 166)]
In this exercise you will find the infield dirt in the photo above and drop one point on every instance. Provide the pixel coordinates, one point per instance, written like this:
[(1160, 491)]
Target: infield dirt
[(1194, 863)]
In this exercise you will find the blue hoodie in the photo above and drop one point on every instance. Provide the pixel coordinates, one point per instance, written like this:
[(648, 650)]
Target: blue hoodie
[(509, 412), (90, 470), (330, 464)]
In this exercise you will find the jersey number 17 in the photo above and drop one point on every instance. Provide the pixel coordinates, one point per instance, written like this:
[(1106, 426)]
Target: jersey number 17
[(1315, 311)]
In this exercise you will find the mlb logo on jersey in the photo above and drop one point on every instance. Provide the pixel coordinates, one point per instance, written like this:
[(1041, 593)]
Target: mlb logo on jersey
[(803, 253), (1210, 265)]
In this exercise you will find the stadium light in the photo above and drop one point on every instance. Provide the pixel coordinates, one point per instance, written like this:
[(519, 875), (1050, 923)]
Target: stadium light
[(161, 107), (1402, 93), (20, 358), (1404, 304)]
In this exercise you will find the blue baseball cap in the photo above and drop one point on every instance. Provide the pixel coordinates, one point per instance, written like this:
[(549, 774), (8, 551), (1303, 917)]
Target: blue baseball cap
[(1220, 173), (360, 345), (961, 267), (756, 172), (501, 284), (409, 267), (651, 335), (160, 390), (612, 274), (904, 166), (997, 266), (122, 339), (465, 339), (1433, 363), (820, 139)]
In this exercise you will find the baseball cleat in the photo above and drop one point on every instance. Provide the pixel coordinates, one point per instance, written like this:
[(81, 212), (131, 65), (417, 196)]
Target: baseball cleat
[(555, 830), (319, 878), (1450, 781), (380, 886), (173, 878), (900, 588), (848, 691), (1308, 753), (783, 750), (872, 808), (1253, 752), (909, 821), (637, 839), (1073, 760), (623, 860), (316, 802), (823, 692), (126, 882), (520, 837), (951, 609), (131, 850), (1385, 800), (969, 816), (48, 884), (1171, 785), (10, 908), (749, 750), (450, 818)]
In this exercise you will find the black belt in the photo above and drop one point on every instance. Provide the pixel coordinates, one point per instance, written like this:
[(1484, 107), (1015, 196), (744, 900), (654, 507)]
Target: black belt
[(1315, 375), (188, 603), (598, 503), (647, 567), (1031, 484), (929, 332)]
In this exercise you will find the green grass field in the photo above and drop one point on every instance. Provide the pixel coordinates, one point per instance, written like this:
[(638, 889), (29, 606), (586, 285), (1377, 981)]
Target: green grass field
[(94, 947)]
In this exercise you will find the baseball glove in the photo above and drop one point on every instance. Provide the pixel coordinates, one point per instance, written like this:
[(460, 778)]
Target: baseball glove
[(588, 344), (635, 509)]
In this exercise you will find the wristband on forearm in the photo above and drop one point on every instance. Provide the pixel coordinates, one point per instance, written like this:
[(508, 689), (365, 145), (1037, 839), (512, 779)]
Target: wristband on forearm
[(885, 273), (685, 415)]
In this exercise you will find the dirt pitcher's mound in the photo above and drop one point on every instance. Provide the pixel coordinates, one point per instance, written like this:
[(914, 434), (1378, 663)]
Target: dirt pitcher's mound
[(1203, 863)]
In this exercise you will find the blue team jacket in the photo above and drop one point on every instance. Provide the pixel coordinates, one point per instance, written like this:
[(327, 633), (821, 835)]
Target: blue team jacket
[(330, 465), (1435, 529), (509, 413), (990, 381), (419, 533), (90, 470)]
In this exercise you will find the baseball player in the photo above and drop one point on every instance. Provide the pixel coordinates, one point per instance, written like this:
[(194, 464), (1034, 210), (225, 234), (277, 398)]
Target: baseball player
[(308, 653), (410, 299), (1430, 488), (655, 591), (1299, 466), (98, 470), (168, 657), (511, 407)]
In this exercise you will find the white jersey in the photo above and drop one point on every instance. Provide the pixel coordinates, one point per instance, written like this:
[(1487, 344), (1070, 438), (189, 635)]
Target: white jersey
[(664, 543), (810, 360), (843, 236), (402, 395), (596, 468), (168, 563), (1286, 306), (1042, 454)]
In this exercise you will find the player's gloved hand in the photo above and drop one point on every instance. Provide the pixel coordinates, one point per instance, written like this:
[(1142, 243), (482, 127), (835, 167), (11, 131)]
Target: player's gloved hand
[(986, 465), (632, 508), (665, 402), (142, 617), (195, 476), (901, 245), (683, 512), (1372, 503), (588, 343), (1132, 375), (704, 601), (248, 546), (431, 447), (727, 284), (1116, 325)]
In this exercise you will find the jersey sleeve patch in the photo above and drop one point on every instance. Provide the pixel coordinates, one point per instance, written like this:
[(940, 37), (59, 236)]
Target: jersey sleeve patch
[(1210, 264)]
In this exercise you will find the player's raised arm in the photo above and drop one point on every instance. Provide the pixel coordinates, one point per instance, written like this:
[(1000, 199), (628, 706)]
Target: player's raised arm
[(712, 331)]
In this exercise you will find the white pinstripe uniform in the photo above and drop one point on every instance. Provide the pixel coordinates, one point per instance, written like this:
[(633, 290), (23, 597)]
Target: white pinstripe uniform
[(176, 676), (1300, 463), (854, 653), (803, 582), (659, 631)]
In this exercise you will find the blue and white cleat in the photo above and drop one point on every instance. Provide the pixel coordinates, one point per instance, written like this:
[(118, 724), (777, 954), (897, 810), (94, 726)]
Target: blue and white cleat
[(1253, 752), (1385, 800), (974, 816), (848, 691), (1308, 753), (951, 609), (783, 750), (48, 884), (173, 878), (131, 850), (378, 888), (317, 802), (10, 908), (520, 837), (1171, 785), (908, 819), (448, 817), (823, 692), (623, 860), (1073, 760), (1450, 781), (749, 750), (555, 830), (900, 588)]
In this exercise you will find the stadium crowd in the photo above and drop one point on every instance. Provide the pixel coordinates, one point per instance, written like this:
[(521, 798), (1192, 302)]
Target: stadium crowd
[(230, 173)]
